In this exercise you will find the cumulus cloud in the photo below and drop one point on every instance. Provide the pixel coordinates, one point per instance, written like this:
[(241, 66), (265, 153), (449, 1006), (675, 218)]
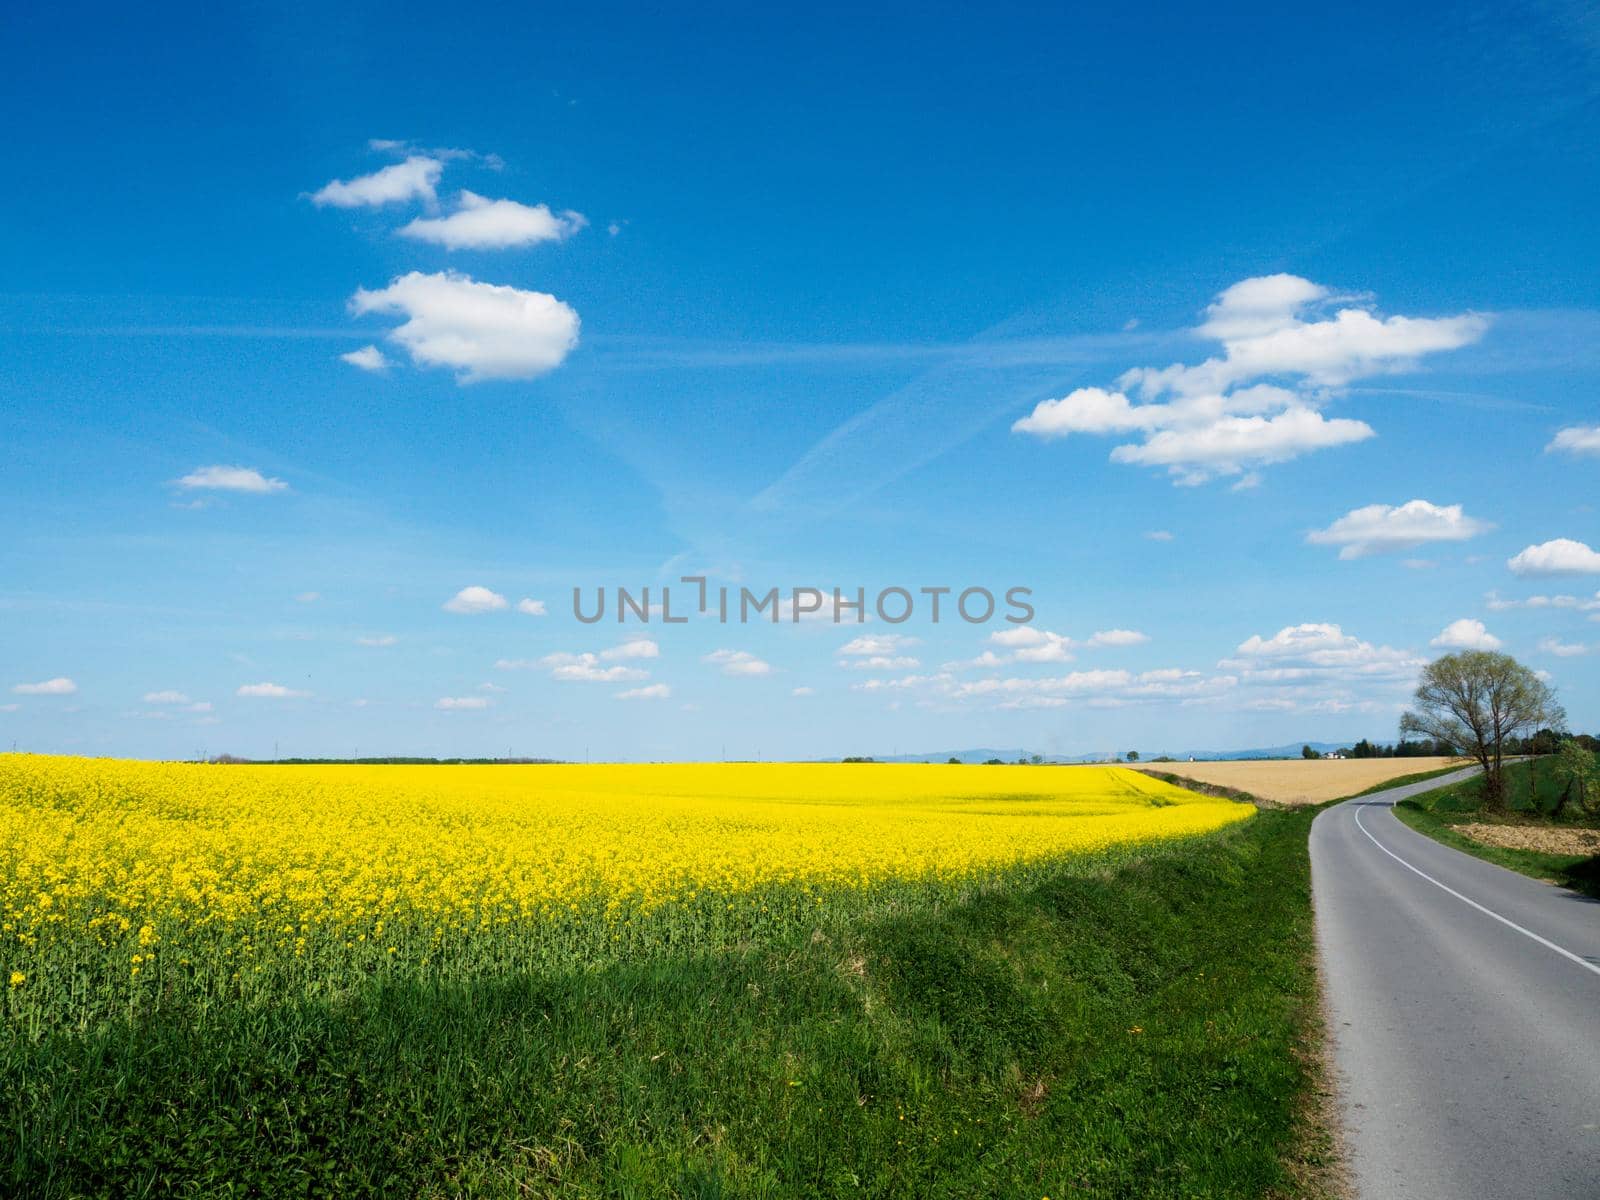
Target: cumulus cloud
[(637, 648), (480, 223), (471, 600), (59, 686), (416, 178), (1099, 688), (1466, 634), (1562, 649), (1381, 528), (738, 662), (877, 644), (580, 668), (655, 691), (1027, 643), (231, 479), (881, 662), (531, 608), (1576, 439), (1228, 445), (1258, 402), (461, 703), (1118, 637), (368, 358), (1499, 603), (480, 330), (1562, 556), (270, 691)]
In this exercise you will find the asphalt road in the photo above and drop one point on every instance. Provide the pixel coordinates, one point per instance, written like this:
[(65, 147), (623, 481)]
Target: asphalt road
[(1464, 1009)]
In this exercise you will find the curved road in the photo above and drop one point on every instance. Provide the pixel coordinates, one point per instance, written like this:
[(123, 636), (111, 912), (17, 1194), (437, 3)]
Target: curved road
[(1464, 1010)]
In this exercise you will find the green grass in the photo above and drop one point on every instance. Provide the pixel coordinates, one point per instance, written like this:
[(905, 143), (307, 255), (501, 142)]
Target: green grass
[(1533, 790), (1138, 1028)]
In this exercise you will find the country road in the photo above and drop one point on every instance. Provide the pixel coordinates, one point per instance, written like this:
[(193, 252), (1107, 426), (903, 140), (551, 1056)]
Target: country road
[(1464, 1010)]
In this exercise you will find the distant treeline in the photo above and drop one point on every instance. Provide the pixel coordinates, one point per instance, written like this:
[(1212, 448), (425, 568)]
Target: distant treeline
[(1545, 741)]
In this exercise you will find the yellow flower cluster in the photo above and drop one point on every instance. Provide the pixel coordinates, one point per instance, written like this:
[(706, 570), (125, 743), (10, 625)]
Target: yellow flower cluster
[(243, 869)]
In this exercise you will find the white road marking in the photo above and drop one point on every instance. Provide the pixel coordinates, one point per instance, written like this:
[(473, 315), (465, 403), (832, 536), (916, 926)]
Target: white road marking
[(1545, 942)]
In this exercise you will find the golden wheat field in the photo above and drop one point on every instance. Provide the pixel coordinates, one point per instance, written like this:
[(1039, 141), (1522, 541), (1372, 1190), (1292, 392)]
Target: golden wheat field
[(1304, 781), (132, 878)]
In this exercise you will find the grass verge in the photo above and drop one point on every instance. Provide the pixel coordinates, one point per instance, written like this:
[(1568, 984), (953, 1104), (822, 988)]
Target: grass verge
[(1147, 1028), (1533, 789)]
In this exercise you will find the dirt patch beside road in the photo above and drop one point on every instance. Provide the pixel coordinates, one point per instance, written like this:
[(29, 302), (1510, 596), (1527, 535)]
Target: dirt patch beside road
[(1533, 837)]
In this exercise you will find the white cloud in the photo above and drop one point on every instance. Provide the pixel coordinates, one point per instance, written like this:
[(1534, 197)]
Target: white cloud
[(986, 660), (1562, 556), (1222, 417), (1028, 644), (1498, 603), (532, 608), (1319, 654), (875, 644), (579, 668), (231, 479), (308, 597), (377, 639), (480, 330), (1227, 445), (1562, 649), (461, 703), (881, 662), (1090, 410), (1100, 688), (480, 223), (1159, 535), (1576, 439), (803, 691), (1466, 634), (655, 691), (637, 648), (738, 662), (368, 358), (472, 600), (493, 688), (270, 691), (168, 697), (414, 179), (1118, 637), (59, 686), (10, 708), (1379, 528)]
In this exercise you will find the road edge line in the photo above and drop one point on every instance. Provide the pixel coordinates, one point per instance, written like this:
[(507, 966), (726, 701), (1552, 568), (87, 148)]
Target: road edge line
[(1506, 921)]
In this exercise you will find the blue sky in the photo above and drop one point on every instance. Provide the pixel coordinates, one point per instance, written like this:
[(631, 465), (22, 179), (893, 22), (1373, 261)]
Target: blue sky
[(838, 299)]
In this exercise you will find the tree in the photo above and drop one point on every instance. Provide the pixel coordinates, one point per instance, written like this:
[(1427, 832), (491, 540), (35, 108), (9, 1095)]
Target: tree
[(1478, 700), (954, 761), (1133, 756), (1308, 752), (1579, 768)]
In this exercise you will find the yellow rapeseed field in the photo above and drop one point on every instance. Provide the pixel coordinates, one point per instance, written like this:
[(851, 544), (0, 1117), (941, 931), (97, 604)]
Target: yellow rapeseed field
[(122, 881)]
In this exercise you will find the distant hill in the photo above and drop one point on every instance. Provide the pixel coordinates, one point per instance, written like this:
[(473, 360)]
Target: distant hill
[(984, 754)]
